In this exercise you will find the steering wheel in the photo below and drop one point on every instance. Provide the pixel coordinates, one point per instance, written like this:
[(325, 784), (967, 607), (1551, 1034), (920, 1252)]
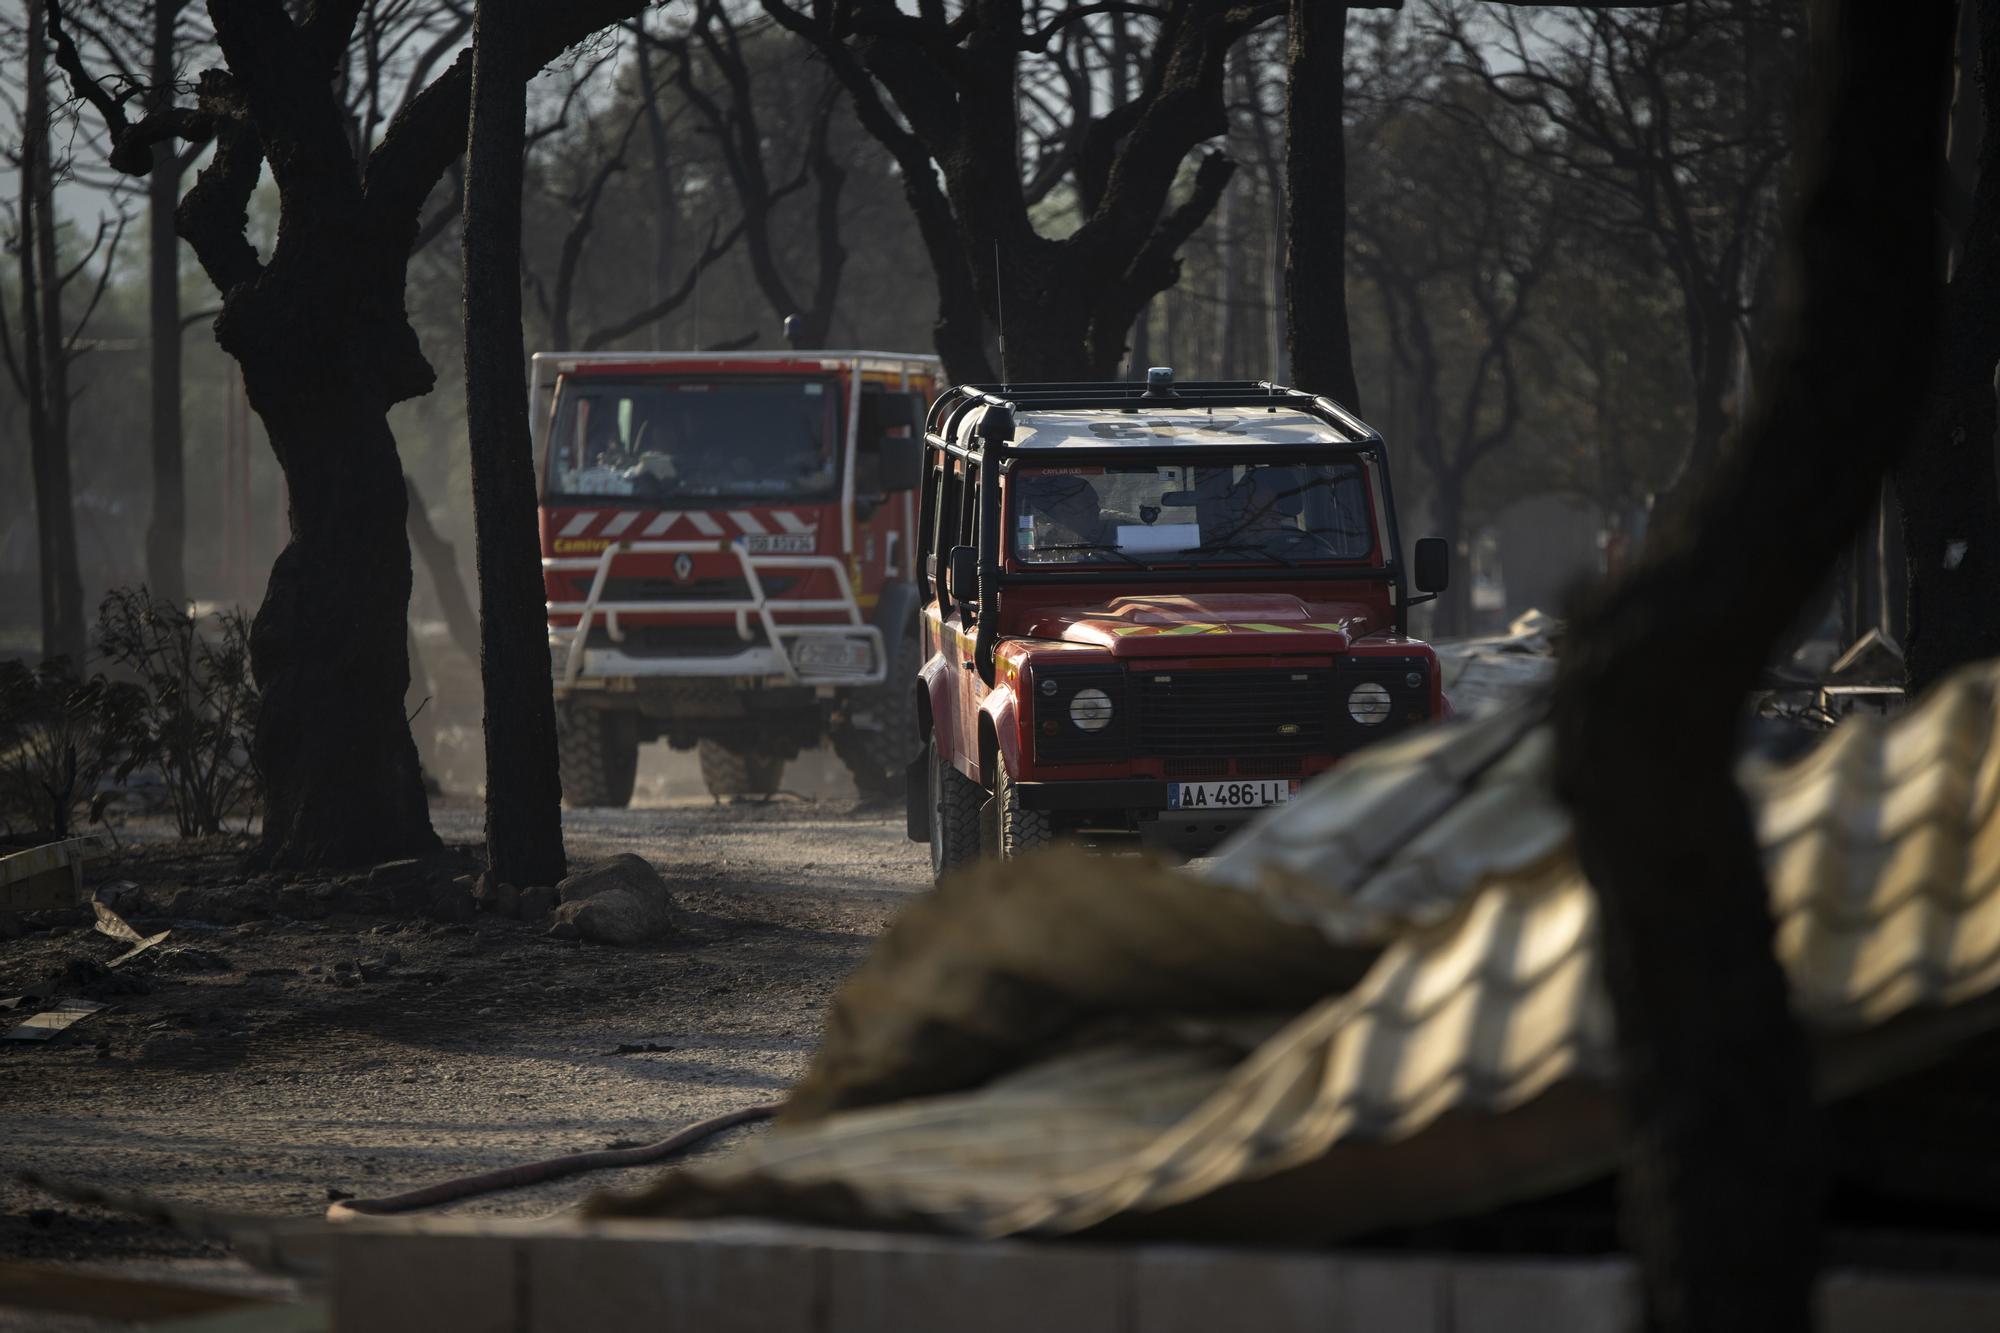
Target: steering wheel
[(1293, 536)]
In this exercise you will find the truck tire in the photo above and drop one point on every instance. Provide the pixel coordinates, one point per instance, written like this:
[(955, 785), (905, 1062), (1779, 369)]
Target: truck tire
[(727, 772), (597, 754), (876, 759), (1021, 830), (955, 802)]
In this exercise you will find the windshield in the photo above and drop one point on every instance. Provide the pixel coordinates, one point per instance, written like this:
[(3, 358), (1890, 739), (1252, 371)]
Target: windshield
[(1152, 514), (660, 439)]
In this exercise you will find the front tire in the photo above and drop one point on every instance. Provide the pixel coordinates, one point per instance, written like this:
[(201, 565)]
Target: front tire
[(1021, 830), (727, 773), (597, 753), (955, 802)]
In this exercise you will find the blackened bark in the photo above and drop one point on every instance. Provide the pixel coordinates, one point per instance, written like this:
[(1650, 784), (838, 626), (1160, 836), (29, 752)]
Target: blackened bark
[(63, 632), (1723, 1179), (342, 785), (523, 793), (1946, 484), (166, 533), (1322, 351)]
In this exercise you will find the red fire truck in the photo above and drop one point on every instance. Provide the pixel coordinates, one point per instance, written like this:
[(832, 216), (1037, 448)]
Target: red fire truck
[(1151, 610), (728, 554)]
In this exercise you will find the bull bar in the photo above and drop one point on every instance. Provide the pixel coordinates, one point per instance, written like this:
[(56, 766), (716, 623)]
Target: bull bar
[(759, 604)]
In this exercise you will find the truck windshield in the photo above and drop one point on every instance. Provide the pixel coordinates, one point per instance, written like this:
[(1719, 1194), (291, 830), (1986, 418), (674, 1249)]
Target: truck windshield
[(670, 439), (1244, 513)]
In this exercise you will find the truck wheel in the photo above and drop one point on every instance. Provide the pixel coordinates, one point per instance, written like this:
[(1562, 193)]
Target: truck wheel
[(955, 802), (1021, 830), (727, 772), (876, 759), (597, 753)]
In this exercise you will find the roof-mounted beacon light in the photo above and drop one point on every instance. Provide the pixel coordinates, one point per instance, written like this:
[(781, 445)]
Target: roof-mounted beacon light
[(1160, 382)]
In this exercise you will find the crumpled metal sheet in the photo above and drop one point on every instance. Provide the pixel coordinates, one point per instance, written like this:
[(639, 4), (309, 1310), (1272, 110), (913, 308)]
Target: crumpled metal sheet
[(1470, 1063)]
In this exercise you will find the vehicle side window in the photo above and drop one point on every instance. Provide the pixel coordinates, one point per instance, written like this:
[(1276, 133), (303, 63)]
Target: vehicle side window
[(949, 486), (926, 534), (969, 531)]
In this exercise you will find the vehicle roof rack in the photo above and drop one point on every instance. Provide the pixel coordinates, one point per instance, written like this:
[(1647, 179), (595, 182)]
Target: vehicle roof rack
[(1134, 396)]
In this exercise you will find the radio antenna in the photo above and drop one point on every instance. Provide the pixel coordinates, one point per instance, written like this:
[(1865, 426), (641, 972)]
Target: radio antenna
[(1000, 310)]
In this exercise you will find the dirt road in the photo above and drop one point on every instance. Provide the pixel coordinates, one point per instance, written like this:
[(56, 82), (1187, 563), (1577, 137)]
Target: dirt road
[(283, 1073)]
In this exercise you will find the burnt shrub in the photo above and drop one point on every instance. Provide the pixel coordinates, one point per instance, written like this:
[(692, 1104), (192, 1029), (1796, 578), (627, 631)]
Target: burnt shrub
[(63, 735), (200, 701)]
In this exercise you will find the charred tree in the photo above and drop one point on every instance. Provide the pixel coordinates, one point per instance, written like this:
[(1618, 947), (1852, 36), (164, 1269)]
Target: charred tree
[(1321, 349), (166, 532), (1723, 1179), (1674, 127), (946, 96), (326, 348), (44, 361), (524, 843), (730, 114), (1946, 485)]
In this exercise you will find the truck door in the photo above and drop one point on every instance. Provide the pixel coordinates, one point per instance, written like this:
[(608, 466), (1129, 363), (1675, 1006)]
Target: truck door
[(885, 510)]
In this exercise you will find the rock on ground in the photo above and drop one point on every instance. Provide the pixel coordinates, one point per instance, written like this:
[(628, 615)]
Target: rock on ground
[(622, 900)]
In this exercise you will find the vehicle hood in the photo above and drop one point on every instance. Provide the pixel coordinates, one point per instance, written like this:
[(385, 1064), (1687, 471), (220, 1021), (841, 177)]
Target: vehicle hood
[(1167, 626)]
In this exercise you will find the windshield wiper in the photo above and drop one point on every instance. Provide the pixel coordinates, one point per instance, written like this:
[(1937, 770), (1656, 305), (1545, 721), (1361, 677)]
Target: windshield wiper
[(1249, 548), (1112, 547)]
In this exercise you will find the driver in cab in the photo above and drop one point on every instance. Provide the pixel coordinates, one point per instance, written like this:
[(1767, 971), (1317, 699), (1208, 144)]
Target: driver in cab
[(1068, 513)]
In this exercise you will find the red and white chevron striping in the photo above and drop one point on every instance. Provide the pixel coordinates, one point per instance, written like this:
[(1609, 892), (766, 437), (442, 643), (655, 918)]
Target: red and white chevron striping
[(672, 524)]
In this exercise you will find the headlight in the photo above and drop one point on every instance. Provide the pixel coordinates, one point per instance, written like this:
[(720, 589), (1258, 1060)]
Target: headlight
[(1369, 704), (832, 654), (1090, 709)]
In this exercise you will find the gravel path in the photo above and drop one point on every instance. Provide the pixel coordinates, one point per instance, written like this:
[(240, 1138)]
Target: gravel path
[(263, 1085)]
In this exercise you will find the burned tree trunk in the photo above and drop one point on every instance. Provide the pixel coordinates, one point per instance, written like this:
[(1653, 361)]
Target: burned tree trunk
[(1723, 1178), (1946, 485), (166, 533), (326, 348), (523, 793), (342, 782), (45, 362), (1322, 351)]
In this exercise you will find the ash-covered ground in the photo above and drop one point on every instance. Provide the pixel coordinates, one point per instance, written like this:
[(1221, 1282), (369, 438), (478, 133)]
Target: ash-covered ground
[(270, 1063)]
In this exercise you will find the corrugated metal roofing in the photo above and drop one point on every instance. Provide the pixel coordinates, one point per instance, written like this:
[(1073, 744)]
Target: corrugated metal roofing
[(1468, 1066)]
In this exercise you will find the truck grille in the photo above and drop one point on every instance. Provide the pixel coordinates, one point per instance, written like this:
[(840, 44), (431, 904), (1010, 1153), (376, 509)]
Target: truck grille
[(1234, 714), (678, 640)]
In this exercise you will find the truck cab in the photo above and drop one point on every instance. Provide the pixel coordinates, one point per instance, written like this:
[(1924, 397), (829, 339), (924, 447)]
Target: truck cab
[(1151, 610), (728, 553)]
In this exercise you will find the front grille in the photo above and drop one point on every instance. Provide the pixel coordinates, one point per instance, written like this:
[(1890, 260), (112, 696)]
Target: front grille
[(1260, 714), (678, 640), (1197, 768)]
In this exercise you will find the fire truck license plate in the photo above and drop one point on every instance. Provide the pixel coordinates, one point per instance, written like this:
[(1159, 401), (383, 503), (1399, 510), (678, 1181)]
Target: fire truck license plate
[(780, 543), (1228, 795)]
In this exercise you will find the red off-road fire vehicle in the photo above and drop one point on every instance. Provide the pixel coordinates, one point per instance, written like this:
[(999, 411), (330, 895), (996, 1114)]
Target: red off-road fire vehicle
[(1151, 610), (728, 552)]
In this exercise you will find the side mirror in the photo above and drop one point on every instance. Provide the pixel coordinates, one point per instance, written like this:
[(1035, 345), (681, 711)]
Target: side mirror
[(964, 574), (900, 466), (1432, 573)]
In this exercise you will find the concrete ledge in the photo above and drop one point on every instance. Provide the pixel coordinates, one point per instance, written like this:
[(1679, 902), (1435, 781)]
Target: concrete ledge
[(735, 1277)]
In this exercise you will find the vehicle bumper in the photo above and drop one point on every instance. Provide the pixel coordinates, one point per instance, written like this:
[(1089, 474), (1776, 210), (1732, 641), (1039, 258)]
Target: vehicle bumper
[(756, 661), (1104, 794), (1136, 806)]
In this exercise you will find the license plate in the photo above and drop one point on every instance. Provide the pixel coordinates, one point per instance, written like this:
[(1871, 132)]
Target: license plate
[(1228, 795), (781, 543)]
